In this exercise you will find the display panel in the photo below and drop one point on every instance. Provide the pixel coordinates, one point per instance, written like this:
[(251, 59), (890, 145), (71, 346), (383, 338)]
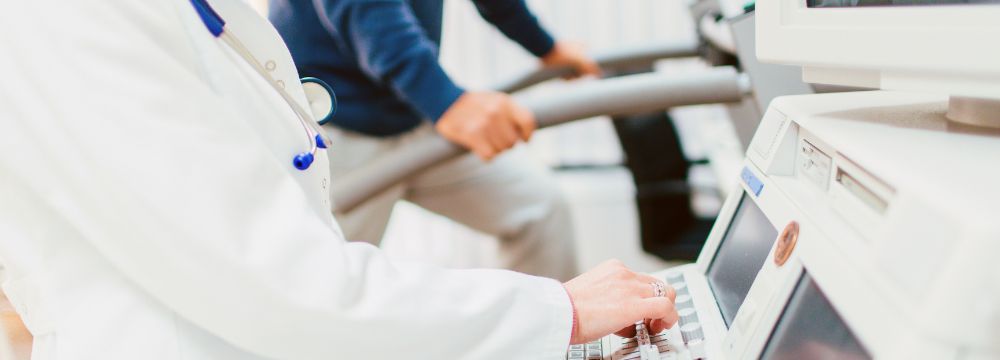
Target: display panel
[(866, 3), (810, 328), (740, 256)]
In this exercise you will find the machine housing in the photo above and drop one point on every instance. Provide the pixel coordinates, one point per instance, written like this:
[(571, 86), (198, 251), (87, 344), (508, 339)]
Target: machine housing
[(894, 211)]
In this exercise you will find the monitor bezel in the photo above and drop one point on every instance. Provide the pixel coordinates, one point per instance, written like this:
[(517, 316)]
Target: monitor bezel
[(721, 228), (735, 340), (775, 285), (785, 307), (859, 47), (744, 199)]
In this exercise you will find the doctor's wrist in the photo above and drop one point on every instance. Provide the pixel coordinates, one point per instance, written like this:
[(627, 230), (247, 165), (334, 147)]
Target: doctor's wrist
[(573, 339)]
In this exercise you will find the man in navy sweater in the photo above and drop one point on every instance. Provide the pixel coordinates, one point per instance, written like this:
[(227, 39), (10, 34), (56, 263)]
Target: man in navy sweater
[(381, 58)]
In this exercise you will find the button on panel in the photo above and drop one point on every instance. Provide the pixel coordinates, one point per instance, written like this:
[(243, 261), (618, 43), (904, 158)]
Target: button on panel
[(675, 277), (692, 332), (813, 164), (683, 302), (687, 315), (680, 287)]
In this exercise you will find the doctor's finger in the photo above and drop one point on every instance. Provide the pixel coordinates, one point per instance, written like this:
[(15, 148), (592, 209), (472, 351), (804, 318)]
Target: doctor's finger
[(656, 308), (649, 290), (657, 326), (629, 331)]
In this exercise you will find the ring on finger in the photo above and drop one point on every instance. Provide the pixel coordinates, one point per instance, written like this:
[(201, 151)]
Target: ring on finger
[(658, 289)]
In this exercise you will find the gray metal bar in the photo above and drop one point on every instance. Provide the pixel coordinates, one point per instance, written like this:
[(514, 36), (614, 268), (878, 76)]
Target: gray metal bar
[(618, 59), (617, 96)]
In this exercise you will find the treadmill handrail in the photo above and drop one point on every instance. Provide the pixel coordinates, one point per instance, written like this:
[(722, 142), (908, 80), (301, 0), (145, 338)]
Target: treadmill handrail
[(642, 56), (624, 95)]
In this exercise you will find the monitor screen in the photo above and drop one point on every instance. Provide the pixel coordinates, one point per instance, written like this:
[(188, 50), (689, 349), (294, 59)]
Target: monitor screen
[(864, 3), (740, 256), (809, 328)]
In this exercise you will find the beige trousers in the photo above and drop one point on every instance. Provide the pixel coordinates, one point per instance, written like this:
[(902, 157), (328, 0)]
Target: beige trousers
[(513, 198)]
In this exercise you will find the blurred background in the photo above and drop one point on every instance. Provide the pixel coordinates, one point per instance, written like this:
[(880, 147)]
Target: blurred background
[(587, 154)]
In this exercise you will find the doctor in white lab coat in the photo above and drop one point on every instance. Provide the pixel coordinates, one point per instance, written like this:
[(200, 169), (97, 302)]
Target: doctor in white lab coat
[(149, 209)]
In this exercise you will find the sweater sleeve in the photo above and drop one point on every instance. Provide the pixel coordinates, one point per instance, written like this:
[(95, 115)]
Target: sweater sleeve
[(514, 20), (391, 48)]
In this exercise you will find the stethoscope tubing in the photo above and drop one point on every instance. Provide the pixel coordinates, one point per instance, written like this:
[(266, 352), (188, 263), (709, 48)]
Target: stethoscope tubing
[(314, 133)]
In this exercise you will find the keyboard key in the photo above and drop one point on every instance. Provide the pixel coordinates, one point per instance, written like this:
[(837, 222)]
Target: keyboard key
[(576, 347), (629, 356), (575, 355), (592, 346)]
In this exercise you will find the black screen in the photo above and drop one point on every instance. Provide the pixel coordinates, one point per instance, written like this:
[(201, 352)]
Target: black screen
[(740, 256), (809, 328), (864, 3)]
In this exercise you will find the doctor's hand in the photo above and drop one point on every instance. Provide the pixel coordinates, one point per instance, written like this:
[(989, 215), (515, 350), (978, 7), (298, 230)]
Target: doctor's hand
[(486, 123), (611, 298), (572, 55)]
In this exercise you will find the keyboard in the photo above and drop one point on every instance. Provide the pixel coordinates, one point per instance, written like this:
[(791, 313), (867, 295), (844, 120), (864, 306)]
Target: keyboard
[(590, 351), (671, 343)]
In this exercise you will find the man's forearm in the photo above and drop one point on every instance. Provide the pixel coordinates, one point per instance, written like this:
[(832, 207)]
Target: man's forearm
[(515, 20)]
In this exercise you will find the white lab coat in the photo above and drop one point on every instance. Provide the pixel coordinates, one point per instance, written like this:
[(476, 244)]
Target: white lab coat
[(149, 209)]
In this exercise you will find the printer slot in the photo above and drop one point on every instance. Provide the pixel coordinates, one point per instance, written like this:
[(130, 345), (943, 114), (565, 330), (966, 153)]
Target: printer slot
[(861, 192), (859, 197)]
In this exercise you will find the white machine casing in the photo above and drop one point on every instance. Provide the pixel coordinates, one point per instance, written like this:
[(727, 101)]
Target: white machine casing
[(899, 213), (946, 49)]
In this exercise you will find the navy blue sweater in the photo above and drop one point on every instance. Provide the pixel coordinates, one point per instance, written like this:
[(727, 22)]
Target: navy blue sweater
[(381, 56)]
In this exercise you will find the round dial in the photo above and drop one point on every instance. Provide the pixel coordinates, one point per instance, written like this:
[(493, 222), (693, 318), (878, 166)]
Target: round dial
[(692, 332), (683, 301), (687, 315)]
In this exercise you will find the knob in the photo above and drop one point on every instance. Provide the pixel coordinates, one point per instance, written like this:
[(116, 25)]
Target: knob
[(675, 277), (687, 315), (683, 302), (691, 332), (680, 287)]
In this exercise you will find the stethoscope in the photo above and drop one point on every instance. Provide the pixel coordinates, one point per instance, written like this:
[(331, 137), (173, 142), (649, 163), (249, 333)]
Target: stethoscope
[(320, 96)]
